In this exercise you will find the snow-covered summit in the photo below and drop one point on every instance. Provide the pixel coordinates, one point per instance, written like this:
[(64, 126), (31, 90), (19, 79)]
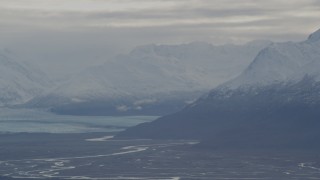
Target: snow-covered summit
[(282, 62), (314, 36)]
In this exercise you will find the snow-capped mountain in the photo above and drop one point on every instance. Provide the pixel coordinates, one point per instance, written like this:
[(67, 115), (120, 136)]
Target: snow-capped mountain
[(275, 102), (151, 79), (282, 62), (19, 82)]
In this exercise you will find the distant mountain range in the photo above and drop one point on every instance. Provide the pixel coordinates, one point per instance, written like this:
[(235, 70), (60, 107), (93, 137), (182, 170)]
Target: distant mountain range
[(274, 103), (19, 82), (150, 80)]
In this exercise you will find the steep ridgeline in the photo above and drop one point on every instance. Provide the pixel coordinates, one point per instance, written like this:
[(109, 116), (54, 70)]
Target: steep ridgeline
[(19, 82), (150, 80), (275, 103)]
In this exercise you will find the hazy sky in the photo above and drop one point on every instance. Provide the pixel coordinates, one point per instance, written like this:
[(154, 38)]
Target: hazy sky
[(61, 32)]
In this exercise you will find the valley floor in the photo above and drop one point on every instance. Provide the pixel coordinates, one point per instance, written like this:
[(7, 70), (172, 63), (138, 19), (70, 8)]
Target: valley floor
[(98, 156)]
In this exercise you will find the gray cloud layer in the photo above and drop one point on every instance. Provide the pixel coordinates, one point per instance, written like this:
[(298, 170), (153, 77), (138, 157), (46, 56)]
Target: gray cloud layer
[(295, 16), (71, 28)]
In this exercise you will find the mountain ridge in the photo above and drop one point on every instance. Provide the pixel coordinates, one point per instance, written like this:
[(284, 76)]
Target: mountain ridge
[(19, 82), (165, 74), (270, 112)]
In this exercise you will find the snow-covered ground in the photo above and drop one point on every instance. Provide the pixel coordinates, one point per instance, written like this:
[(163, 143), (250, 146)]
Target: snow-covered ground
[(74, 158)]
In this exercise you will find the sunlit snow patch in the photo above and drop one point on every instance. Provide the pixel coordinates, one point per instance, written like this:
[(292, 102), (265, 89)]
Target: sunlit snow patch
[(104, 138)]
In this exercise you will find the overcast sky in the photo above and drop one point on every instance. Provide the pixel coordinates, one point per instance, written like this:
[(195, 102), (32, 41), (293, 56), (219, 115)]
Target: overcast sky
[(53, 32)]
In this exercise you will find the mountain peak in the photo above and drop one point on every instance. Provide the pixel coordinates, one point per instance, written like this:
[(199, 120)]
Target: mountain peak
[(314, 36)]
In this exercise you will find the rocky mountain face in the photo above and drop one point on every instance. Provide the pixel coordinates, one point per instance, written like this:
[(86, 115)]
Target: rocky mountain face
[(274, 103)]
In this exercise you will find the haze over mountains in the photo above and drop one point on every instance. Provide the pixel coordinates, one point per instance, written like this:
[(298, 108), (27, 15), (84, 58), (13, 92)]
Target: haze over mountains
[(150, 80), (19, 82), (275, 102)]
